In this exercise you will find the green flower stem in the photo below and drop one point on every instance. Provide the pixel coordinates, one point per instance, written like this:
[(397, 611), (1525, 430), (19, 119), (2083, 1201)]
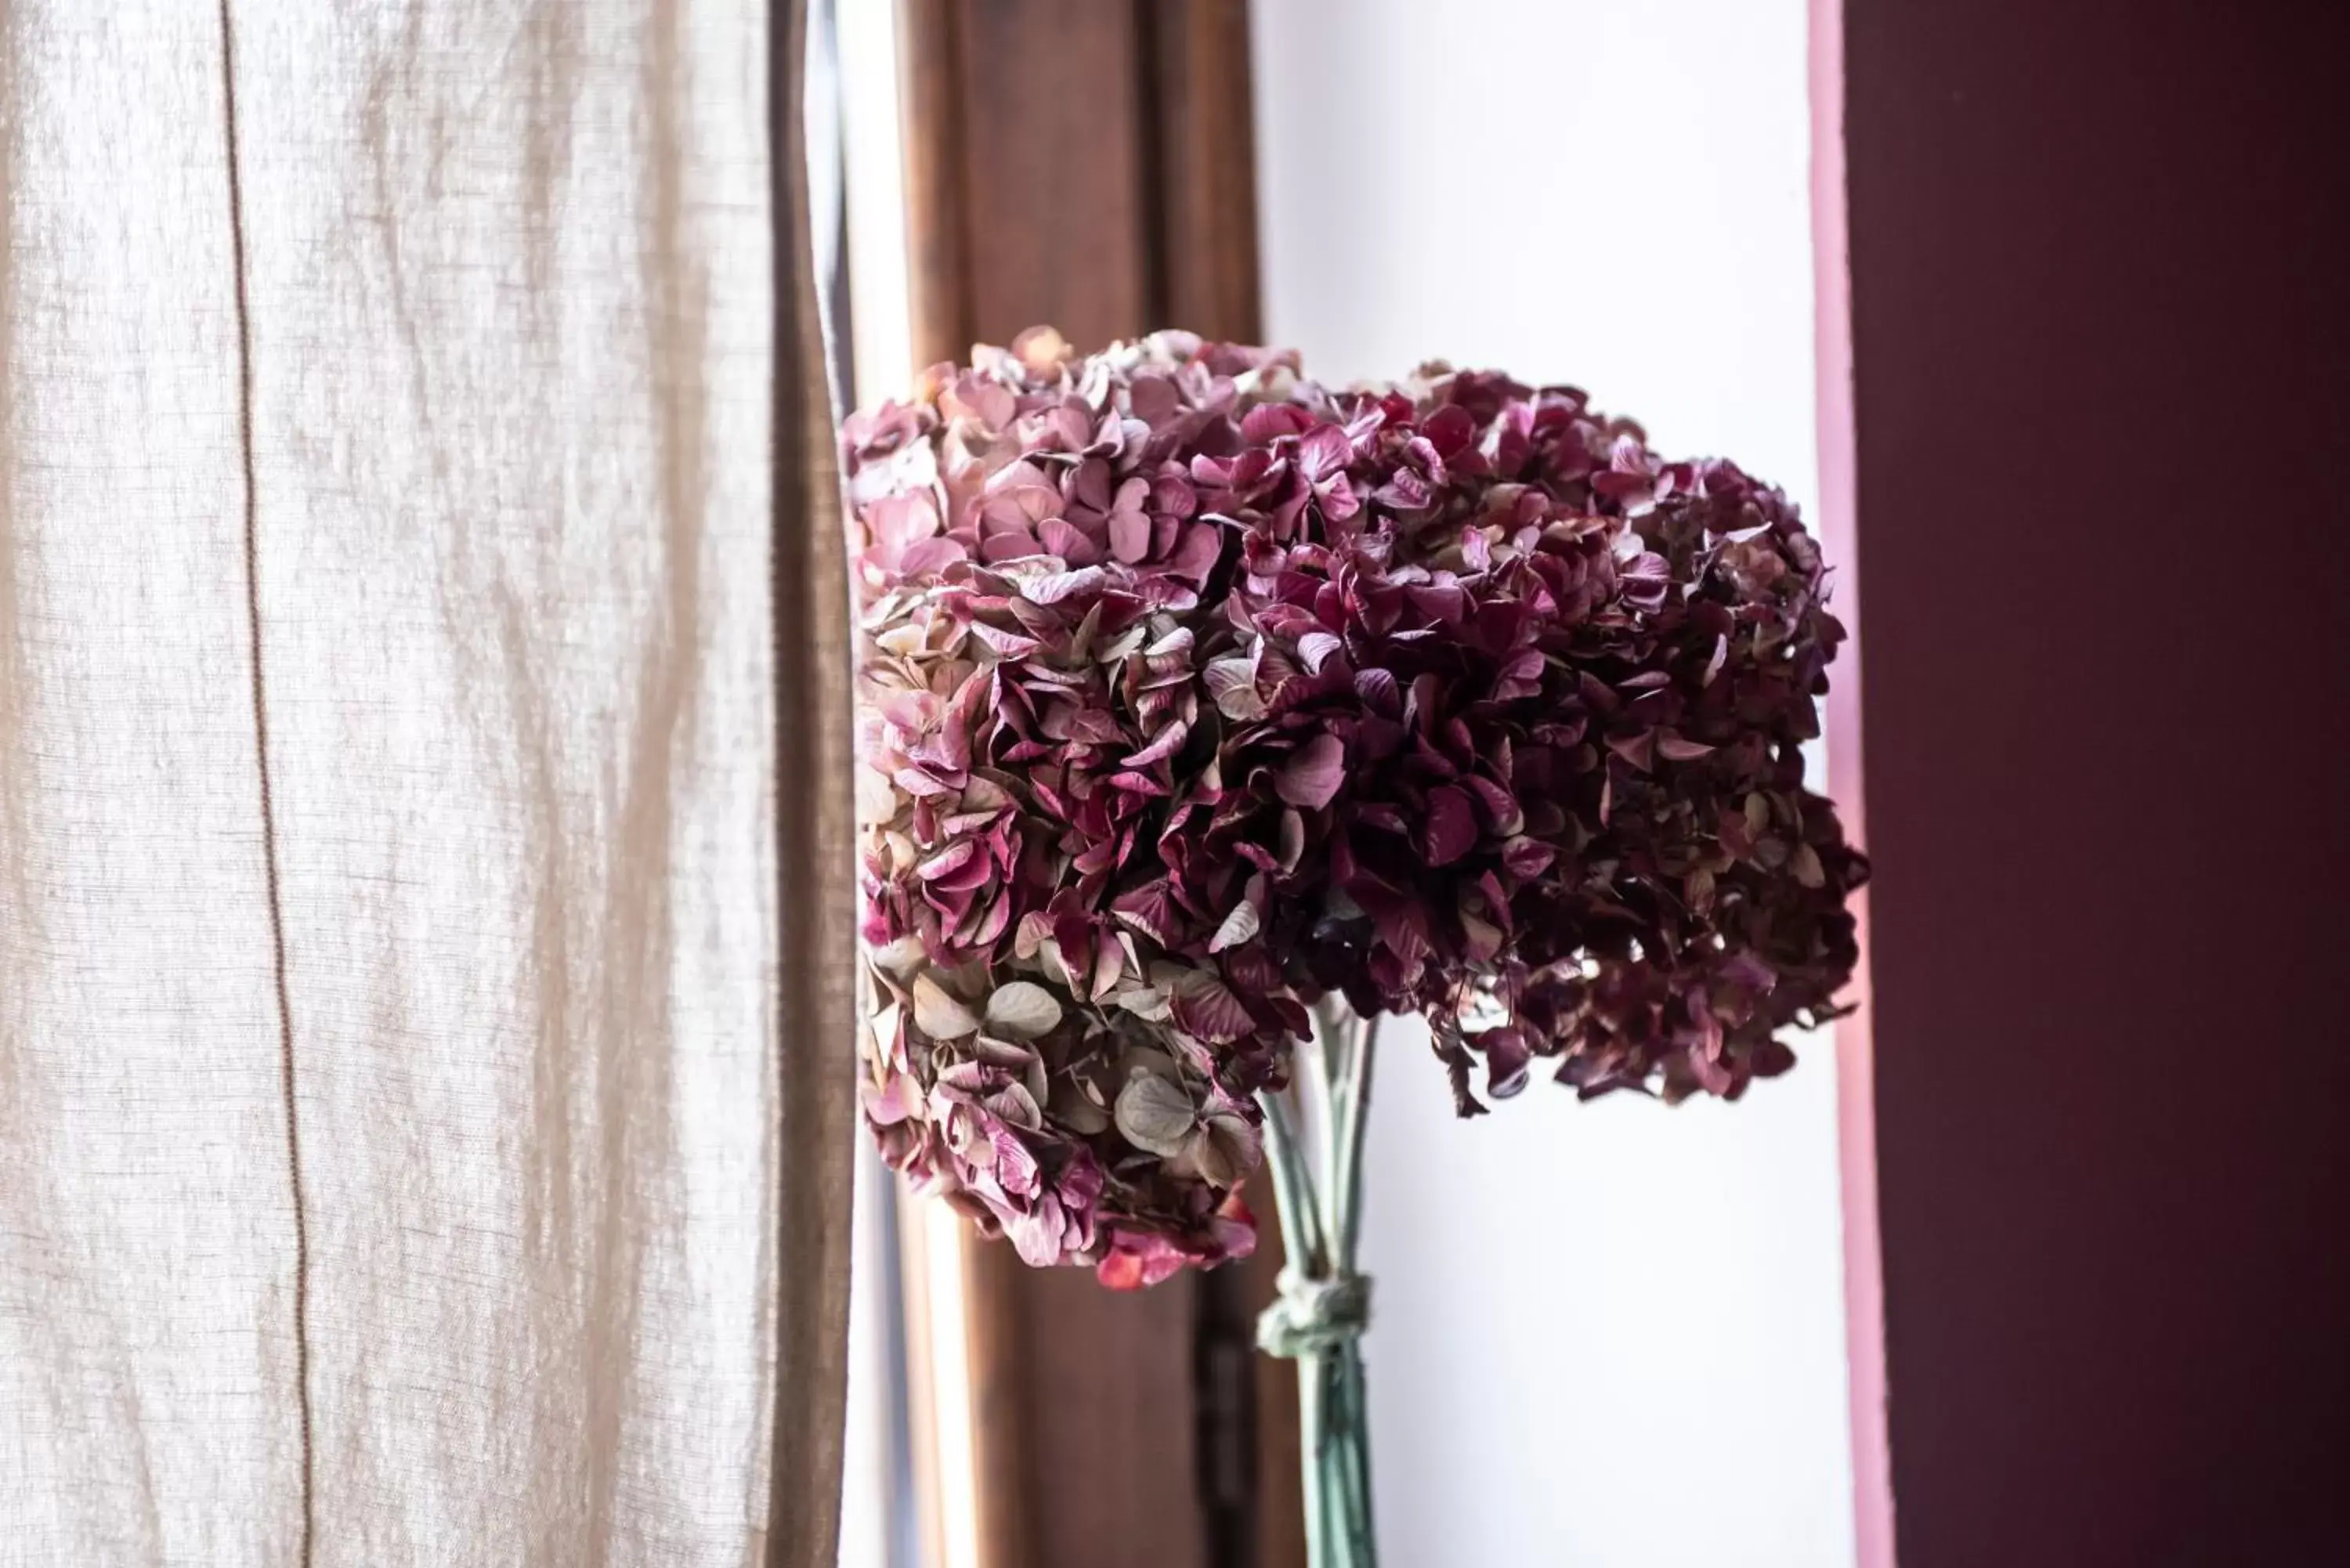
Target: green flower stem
[(1293, 1188), (1313, 1418), (1351, 1459), (1346, 1181), (1324, 1304)]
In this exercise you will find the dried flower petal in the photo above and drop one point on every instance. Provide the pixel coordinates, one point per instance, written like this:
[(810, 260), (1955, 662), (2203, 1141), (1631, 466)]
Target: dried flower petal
[(1240, 926), (1311, 777), (1154, 1114), (1023, 1009), (938, 1016)]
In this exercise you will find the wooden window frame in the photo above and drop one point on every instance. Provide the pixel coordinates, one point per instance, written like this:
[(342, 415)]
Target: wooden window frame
[(1090, 164)]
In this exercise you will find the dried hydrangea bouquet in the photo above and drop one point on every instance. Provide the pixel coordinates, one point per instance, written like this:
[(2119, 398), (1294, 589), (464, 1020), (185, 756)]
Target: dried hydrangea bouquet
[(1208, 714)]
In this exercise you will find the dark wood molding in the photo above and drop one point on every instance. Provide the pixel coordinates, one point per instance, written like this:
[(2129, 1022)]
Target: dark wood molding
[(1090, 164), (1026, 177), (930, 76), (1204, 158), (1085, 162), (1268, 1526)]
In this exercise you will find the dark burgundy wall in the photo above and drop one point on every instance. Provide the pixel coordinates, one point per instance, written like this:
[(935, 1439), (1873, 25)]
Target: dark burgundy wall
[(2101, 332)]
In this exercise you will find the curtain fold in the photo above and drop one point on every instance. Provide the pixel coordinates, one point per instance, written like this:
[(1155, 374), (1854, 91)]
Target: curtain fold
[(424, 861)]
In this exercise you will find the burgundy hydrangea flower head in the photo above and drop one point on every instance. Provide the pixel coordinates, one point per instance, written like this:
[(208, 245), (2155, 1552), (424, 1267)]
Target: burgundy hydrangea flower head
[(1191, 692)]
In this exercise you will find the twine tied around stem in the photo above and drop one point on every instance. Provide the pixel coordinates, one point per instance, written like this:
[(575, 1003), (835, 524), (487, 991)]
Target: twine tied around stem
[(1309, 1316)]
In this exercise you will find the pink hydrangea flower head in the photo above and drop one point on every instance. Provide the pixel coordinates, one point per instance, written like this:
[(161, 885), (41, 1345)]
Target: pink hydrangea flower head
[(1190, 691)]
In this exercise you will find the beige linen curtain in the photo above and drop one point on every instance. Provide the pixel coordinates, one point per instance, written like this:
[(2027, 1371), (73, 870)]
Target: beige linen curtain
[(422, 727)]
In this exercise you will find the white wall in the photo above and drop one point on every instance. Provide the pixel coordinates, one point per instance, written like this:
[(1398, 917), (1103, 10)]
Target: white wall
[(1608, 1336)]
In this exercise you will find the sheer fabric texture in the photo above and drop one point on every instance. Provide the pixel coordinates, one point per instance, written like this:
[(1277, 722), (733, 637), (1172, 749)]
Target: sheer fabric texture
[(421, 672)]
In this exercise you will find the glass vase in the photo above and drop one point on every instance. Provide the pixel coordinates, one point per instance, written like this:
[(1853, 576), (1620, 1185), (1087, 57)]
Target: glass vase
[(1322, 1306)]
